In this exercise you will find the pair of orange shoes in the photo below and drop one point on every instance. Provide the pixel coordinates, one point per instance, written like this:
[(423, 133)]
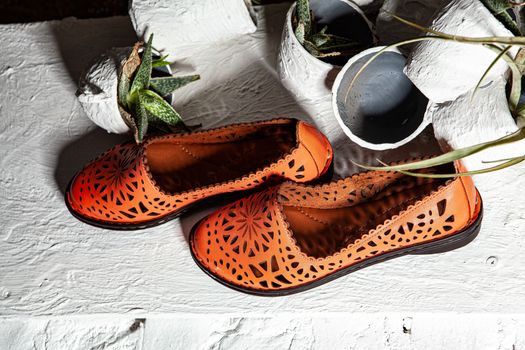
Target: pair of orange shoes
[(284, 238)]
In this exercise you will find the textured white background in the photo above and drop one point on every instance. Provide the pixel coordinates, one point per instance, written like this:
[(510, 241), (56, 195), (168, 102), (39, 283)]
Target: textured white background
[(84, 287)]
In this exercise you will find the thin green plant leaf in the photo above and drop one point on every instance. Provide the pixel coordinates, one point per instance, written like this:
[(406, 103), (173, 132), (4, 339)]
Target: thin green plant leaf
[(320, 39), (123, 90), (161, 58), (160, 62), (156, 106), (489, 41), (141, 120), (451, 156), (520, 60), (518, 41), (156, 64), (411, 41), (311, 48), (304, 16), (159, 125), (487, 71), (166, 85), (299, 33), (521, 110), (338, 43), (515, 87), (499, 160), (504, 165), (142, 77), (387, 48), (497, 6)]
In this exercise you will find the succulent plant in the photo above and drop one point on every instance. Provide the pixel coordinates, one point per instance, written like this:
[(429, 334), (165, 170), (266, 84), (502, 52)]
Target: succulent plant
[(501, 46), (140, 97), (320, 43)]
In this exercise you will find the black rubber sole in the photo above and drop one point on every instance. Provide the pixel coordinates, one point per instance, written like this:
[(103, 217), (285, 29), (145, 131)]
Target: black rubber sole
[(446, 244), (123, 227), (231, 196)]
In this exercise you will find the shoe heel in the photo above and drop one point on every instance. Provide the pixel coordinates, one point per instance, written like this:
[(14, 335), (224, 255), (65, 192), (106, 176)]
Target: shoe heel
[(456, 241)]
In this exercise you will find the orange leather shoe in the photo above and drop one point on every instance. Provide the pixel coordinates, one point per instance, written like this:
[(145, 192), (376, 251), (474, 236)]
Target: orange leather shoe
[(293, 237), (136, 186)]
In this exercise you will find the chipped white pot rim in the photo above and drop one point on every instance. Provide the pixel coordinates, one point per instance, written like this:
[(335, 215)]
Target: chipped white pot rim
[(425, 120), (296, 42)]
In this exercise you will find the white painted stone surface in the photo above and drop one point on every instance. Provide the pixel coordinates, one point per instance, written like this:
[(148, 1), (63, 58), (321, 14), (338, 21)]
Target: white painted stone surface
[(443, 70), (409, 331), (98, 89), (186, 22), (94, 333), (56, 269)]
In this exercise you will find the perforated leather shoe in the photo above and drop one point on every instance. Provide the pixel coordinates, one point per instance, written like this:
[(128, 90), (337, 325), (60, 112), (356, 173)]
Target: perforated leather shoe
[(136, 186), (293, 237)]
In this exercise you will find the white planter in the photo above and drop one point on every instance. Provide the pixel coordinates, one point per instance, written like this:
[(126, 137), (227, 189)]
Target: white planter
[(303, 74), (187, 22), (468, 121), (383, 109), (97, 91), (443, 70)]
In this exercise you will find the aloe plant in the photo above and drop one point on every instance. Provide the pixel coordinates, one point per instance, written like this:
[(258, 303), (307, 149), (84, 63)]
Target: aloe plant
[(320, 43), (500, 45), (140, 97)]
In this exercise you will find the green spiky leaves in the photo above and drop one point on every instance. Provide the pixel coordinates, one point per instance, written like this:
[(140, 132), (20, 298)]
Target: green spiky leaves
[(160, 62), (320, 43), (140, 96), (167, 85)]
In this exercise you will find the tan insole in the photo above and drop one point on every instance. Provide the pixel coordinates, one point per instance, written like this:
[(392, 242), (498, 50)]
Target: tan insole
[(323, 232), (178, 167)]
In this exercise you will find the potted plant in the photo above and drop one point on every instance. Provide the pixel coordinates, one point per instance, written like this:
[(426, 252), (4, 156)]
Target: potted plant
[(478, 114), (319, 36), (119, 93), (180, 23)]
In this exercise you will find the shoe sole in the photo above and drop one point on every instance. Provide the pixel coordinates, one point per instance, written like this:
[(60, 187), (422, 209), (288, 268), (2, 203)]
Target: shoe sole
[(230, 196), (152, 223), (443, 245)]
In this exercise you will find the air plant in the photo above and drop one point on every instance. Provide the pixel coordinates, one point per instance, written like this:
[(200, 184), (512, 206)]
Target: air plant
[(140, 97), (500, 45), (320, 44)]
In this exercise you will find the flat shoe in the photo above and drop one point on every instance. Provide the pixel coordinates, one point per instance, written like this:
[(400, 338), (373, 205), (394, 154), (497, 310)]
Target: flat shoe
[(137, 186), (293, 237)]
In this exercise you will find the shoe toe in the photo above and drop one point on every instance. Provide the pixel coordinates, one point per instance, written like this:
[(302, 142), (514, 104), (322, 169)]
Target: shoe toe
[(99, 190), (237, 241)]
